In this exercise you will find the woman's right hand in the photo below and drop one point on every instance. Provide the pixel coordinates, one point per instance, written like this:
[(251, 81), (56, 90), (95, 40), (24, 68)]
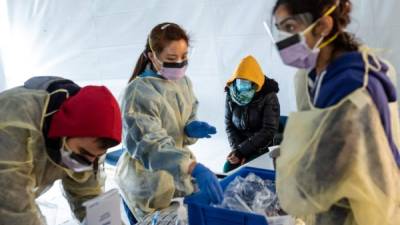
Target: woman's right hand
[(208, 183)]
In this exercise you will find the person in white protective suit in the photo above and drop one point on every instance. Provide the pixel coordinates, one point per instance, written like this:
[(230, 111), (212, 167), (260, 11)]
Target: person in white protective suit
[(159, 122), (50, 129), (339, 160)]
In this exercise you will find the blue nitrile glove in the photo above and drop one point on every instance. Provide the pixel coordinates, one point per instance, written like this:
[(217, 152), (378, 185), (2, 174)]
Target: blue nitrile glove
[(199, 129), (208, 183)]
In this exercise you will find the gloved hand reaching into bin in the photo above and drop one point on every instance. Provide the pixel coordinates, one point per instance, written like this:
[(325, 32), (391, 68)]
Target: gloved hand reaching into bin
[(210, 189), (199, 129)]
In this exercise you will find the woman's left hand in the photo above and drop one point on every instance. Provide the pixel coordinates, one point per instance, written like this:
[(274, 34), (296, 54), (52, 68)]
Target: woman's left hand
[(233, 158)]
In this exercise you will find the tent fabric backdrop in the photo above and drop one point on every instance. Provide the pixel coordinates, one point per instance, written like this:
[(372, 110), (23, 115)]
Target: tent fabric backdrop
[(98, 42)]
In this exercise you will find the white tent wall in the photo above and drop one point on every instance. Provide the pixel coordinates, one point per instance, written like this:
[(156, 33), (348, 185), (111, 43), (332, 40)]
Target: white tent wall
[(2, 77), (98, 42)]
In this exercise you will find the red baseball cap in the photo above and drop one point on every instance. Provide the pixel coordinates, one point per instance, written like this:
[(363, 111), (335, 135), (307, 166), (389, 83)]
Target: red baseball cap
[(92, 112)]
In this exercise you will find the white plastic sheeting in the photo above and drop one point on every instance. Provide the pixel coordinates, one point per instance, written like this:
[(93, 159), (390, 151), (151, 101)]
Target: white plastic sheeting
[(2, 77), (98, 42)]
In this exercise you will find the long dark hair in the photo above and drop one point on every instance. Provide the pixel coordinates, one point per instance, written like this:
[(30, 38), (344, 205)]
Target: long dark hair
[(341, 17), (159, 37)]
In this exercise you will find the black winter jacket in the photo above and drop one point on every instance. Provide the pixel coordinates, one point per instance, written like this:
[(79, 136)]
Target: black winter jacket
[(251, 128)]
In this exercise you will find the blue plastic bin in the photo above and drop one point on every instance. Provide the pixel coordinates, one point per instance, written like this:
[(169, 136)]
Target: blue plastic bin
[(200, 214)]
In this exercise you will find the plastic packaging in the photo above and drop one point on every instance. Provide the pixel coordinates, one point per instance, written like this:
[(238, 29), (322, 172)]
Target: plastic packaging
[(181, 214), (251, 194)]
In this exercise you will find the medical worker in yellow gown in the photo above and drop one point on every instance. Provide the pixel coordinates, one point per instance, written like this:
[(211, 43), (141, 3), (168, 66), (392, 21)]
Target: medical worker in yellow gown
[(339, 161)]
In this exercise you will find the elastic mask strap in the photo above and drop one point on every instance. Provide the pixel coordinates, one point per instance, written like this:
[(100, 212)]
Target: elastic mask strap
[(64, 146), (318, 43), (309, 28), (327, 13), (52, 93), (331, 9), (326, 43), (154, 53)]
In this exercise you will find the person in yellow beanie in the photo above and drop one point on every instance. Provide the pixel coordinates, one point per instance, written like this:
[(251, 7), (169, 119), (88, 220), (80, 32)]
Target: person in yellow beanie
[(251, 113)]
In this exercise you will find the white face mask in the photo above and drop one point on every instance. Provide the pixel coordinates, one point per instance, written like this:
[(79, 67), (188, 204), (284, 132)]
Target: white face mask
[(74, 161)]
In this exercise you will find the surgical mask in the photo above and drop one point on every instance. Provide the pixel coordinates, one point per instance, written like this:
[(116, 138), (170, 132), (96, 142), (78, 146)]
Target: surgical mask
[(73, 161), (295, 52), (173, 71), (243, 85), (293, 48), (241, 98), (170, 70)]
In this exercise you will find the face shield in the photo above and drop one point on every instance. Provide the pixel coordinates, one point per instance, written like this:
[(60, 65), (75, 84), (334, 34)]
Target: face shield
[(297, 24), (288, 35), (291, 25)]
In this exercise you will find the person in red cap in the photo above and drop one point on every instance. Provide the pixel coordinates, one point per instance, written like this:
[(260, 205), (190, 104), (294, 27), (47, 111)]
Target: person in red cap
[(52, 129)]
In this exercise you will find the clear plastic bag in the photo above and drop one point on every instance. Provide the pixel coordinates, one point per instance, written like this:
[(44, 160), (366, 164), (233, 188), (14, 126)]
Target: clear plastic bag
[(251, 194), (266, 203)]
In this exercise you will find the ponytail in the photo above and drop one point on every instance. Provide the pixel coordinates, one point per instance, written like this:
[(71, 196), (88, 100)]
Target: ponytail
[(140, 66)]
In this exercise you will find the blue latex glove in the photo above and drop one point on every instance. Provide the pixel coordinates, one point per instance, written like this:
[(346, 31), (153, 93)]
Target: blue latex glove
[(208, 183), (199, 129)]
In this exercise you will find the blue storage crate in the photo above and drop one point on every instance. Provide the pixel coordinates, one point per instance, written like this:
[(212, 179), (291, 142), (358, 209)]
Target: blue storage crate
[(200, 214)]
